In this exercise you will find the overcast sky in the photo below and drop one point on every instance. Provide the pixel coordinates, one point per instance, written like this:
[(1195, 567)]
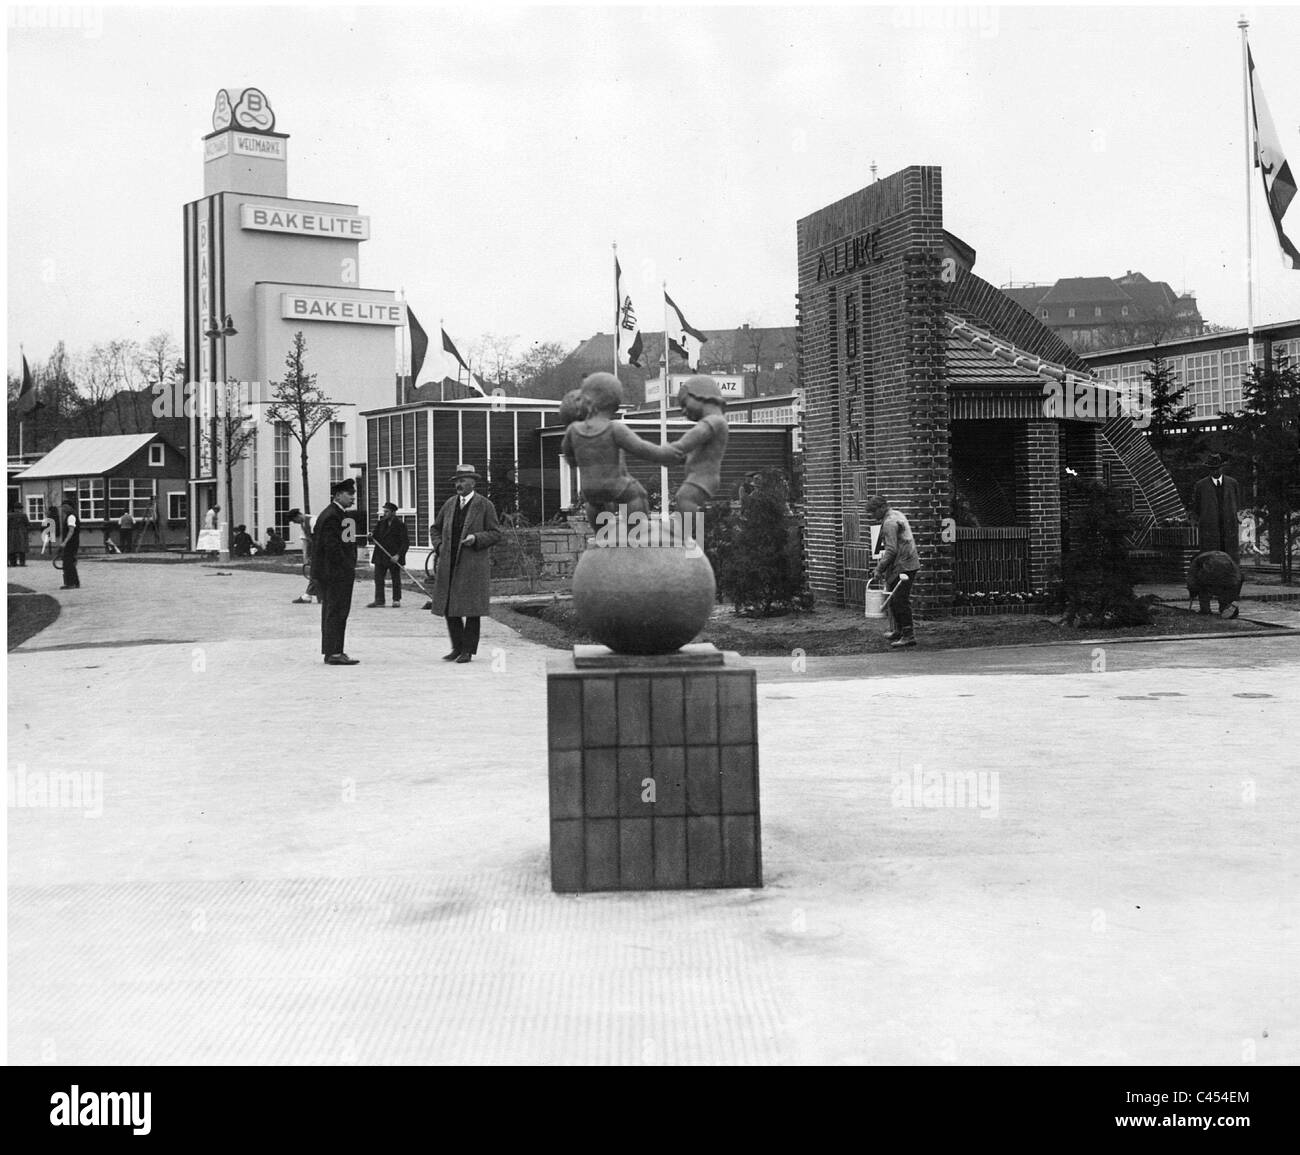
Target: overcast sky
[(499, 152)]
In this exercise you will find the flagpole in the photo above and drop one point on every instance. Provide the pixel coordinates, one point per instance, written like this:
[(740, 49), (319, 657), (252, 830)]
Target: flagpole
[(1243, 24), (403, 365), (663, 415), (618, 303), (442, 379), (22, 355)]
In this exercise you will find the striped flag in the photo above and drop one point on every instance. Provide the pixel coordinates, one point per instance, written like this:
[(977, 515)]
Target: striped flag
[(1279, 184), (627, 330), (684, 341)]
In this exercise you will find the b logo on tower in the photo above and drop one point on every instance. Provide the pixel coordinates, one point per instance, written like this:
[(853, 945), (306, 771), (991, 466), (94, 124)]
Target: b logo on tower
[(245, 108)]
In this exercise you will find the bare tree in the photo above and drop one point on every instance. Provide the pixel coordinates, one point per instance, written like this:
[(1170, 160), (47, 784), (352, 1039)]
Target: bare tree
[(492, 357), (534, 371), (104, 372), (301, 406)]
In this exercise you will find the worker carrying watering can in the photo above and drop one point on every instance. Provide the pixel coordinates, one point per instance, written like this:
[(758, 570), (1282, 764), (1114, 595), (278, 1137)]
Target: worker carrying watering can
[(898, 567)]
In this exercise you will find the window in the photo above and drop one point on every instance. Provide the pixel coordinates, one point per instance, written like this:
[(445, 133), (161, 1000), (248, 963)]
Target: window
[(398, 486), (90, 499), (1096, 311), (1234, 369), (1043, 314), (281, 478), (779, 365), (338, 452), (129, 493), (1070, 314), (178, 506), (1202, 381), (35, 507), (157, 454), (1123, 310)]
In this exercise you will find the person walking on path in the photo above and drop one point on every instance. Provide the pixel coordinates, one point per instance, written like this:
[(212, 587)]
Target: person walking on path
[(334, 570), (18, 530), (898, 567), (303, 522), (391, 541), (68, 545), (462, 534), (1216, 503)]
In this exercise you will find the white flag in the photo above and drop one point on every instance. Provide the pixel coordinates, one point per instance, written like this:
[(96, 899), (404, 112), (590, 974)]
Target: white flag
[(684, 341), (627, 330), (1279, 184)]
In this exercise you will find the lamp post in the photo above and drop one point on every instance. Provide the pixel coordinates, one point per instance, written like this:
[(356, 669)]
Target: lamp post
[(226, 330)]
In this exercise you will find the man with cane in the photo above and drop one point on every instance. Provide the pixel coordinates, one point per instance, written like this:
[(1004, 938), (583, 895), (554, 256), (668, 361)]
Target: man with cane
[(391, 542), (461, 535)]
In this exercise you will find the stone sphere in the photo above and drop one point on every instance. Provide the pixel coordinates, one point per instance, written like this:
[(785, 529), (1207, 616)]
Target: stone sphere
[(643, 600)]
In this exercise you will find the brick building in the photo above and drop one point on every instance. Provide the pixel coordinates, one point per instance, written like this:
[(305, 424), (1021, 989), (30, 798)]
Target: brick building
[(925, 383)]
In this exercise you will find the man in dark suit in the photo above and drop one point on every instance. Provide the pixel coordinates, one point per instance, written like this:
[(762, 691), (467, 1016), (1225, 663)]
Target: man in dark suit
[(334, 570), (391, 543), (1216, 503), (462, 534)]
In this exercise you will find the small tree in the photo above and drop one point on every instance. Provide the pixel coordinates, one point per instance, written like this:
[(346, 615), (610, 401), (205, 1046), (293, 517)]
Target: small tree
[(301, 406), (1167, 409), (759, 556), (1096, 575), (1266, 435)]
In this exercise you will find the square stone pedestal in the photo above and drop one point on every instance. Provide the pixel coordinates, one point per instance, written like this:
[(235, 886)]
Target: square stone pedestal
[(653, 769)]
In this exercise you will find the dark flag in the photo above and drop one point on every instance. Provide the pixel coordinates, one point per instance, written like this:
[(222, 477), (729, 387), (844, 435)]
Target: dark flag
[(28, 402), (419, 345), (449, 347)]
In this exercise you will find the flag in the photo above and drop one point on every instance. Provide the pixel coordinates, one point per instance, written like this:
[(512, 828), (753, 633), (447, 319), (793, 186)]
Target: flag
[(419, 345), (630, 351), (1279, 184), (28, 402), (684, 340), (449, 347)]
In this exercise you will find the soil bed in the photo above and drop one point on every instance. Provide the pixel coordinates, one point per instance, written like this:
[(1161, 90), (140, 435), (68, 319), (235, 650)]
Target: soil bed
[(845, 632), (29, 613)]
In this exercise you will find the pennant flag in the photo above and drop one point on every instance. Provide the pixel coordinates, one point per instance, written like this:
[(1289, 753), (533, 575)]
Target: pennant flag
[(419, 345), (685, 341), (627, 331), (1279, 184), (476, 382), (449, 347), (28, 402)]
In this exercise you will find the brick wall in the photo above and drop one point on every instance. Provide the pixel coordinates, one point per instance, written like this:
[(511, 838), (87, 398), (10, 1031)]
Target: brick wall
[(1038, 470), (871, 359)]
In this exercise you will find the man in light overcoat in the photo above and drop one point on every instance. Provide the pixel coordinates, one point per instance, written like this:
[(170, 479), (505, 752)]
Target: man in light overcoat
[(462, 534)]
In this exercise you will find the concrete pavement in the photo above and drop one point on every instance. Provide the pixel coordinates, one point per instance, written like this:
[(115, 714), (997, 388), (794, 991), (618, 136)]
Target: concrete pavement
[(275, 861)]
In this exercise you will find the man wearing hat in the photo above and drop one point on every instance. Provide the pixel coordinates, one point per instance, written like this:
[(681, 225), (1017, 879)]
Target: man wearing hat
[(391, 543), (334, 569), (1215, 506), (462, 534)]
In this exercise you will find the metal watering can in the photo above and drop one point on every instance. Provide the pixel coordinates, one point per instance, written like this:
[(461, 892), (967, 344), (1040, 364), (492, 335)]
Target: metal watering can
[(877, 599)]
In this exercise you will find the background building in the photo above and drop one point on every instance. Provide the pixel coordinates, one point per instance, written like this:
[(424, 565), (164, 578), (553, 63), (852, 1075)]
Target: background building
[(1210, 367), (1106, 312), (277, 266)]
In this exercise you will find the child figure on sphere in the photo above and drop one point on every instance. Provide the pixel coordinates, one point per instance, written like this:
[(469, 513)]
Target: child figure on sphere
[(596, 442), (704, 445)]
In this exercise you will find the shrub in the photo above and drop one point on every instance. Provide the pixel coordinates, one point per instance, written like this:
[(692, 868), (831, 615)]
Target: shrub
[(1096, 575), (758, 557)]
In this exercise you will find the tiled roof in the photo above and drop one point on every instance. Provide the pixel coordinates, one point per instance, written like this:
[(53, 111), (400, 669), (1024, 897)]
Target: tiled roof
[(1086, 290)]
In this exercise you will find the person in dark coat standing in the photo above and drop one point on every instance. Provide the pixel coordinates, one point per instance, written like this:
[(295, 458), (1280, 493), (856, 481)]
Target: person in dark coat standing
[(68, 546), (391, 543), (1215, 505), (334, 570), (18, 528), (462, 534)]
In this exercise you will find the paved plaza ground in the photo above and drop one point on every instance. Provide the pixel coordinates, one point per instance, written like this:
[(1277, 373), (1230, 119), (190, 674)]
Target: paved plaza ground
[(281, 862)]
